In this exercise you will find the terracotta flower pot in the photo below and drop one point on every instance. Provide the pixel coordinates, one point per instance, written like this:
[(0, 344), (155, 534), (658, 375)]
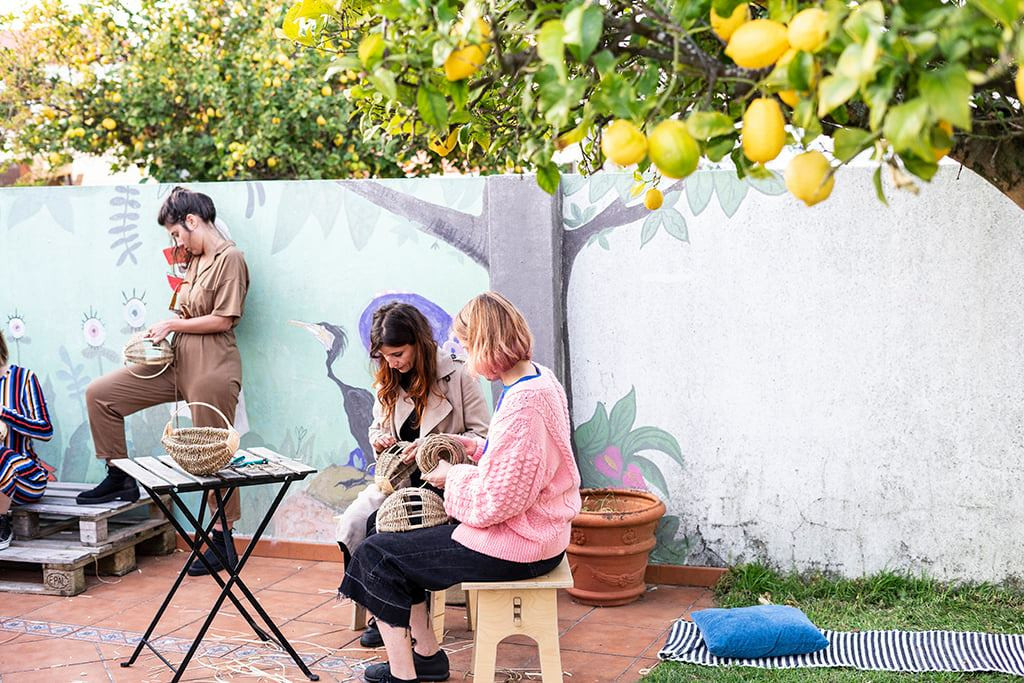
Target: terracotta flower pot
[(611, 539)]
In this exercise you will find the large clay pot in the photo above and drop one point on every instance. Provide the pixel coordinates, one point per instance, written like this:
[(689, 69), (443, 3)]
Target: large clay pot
[(611, 539)]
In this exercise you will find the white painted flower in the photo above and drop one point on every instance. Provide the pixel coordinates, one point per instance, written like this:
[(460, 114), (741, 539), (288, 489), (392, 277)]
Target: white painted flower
[(135, 310), (93, 330), (16, 326)]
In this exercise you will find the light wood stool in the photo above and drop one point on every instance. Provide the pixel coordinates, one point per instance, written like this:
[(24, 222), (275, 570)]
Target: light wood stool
[(358, 620), (528, 607)]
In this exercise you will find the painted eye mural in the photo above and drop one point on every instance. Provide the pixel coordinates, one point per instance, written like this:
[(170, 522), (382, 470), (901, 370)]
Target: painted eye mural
[(93, 329), (134, 310), (16, 325)]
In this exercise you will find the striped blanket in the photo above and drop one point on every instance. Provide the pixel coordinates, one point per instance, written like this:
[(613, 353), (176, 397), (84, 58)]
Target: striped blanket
[(871, 651)]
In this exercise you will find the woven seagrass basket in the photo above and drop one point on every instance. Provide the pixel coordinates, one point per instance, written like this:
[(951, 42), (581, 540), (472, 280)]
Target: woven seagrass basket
[(438, 447), (410, 509), (200, 450), (142, 350), (391, 473)]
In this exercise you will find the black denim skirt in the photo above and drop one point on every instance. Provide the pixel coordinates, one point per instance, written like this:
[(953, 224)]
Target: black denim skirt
[(391, 572)]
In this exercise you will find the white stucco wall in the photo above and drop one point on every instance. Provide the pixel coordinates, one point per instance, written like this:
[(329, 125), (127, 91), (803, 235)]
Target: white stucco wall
[(845, 381)]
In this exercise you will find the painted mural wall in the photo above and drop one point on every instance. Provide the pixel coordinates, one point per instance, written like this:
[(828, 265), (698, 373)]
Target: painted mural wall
[(832, 388), (90, 270)]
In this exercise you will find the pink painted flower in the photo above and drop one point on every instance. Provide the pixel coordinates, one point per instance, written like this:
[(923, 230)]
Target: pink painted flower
[(609, 463), (16, 326), (93, 331), (634, 478)]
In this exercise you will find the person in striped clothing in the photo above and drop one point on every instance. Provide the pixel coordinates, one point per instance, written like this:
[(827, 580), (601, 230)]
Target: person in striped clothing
[(23, 417)]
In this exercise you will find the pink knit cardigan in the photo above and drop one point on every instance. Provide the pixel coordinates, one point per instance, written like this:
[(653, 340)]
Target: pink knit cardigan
[(518, 502)]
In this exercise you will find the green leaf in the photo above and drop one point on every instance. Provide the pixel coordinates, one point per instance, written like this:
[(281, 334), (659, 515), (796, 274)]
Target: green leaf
[(699, 188), (459, 90), (876, 179), (384, 81), (724, 8), (551, 45), (905, 127), (781, 10), (674, 224), (834, 91), (923, 169), (865, 21), (583, 27), (800, 71), (704, 125), (370, 49), (718, 148), (652, 475), (432, 107), (948, 93), (592, 436), (548, 177), (1003, 11), (622, 417), (849, 142), (650, 228), (877, 96), (605, 63), (651, 439)]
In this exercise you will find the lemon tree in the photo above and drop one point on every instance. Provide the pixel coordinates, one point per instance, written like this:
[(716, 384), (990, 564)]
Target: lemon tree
[(187, 90), (876, 76)]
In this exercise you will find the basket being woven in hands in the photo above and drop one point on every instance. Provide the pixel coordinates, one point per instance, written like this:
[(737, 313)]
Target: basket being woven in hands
[(438, 447), (200, 450), (141, 350), (409, 509), (391, 472)]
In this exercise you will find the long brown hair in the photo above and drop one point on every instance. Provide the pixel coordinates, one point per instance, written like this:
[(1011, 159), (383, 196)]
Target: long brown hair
[(398, 324)]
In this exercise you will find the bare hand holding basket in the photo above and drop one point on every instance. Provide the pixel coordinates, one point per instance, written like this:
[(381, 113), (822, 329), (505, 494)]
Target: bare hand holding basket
[(200, 450)]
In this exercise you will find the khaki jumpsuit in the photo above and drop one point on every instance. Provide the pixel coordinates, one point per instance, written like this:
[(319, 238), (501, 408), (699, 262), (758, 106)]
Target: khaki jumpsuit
[(207, 367)]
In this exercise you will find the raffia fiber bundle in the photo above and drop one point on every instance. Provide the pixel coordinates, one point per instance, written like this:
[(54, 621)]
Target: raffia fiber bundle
[(410, 509), (391, 473), (438, 447)]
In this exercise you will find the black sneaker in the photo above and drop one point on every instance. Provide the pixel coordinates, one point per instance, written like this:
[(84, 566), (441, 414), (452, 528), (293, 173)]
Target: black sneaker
[(225, 545), (6, 531), (432, 668), (116, 486), (371, 636)]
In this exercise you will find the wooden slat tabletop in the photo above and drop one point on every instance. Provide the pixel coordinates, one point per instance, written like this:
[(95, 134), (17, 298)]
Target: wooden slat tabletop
[(162, 473)]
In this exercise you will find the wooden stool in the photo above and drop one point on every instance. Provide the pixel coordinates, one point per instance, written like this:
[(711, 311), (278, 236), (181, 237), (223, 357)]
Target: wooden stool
[(358, 620), (528, 607)]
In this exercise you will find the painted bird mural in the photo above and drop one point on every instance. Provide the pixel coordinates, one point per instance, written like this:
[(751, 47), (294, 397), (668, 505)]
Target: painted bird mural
[(358, 402)]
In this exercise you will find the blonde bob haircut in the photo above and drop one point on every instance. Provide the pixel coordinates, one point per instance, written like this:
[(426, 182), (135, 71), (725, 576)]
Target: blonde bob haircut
[(494, 333)]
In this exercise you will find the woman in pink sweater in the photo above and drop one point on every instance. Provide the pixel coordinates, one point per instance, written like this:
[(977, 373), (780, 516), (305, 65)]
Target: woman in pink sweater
[(515, 505)]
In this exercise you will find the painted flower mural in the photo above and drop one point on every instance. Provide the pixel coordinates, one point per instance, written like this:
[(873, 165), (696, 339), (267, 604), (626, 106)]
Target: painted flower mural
[(93, 330), (134, 311), (611, 453), (16, 326)]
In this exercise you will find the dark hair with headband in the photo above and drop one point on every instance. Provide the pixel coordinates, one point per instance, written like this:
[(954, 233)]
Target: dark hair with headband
[(183, 202)]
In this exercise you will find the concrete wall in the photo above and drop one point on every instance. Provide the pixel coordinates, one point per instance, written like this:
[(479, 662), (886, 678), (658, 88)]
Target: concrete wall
[(843, 382)]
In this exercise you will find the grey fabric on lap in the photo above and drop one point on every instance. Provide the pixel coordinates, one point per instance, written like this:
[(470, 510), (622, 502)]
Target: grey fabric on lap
[(912, 651)]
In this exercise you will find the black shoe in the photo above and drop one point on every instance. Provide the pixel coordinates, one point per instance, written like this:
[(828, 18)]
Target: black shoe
[(371, 636), (432, 668), (6, 531), (381, 673), (116, 486), (227, 548)]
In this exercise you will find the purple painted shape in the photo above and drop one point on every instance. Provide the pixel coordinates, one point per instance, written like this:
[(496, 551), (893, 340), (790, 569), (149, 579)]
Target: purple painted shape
[(440, 321)]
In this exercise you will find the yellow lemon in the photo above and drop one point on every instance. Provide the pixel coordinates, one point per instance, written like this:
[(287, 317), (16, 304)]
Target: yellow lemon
[(485, 30), (250, 162), (672, 149), (808, 30), (215, 23), (808, 179), (789, 97), (115, 97), (271, 162), (623, 143), (276, 82), (947, 128), (724, 28), (1019, 82), (109, 123), (653, 199), (326, 91), (441, 147), (463, 62), (321, 121), (757, 44), (764, 130)]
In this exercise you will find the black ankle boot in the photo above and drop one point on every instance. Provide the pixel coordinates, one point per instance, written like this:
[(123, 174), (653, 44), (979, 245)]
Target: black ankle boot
[(116, 486), (225, 544)]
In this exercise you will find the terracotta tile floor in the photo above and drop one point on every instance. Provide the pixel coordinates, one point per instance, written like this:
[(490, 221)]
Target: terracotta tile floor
[(45, 638)]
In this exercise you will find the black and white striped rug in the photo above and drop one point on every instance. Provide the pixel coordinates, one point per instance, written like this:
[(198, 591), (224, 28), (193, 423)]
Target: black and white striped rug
[(871, 651)]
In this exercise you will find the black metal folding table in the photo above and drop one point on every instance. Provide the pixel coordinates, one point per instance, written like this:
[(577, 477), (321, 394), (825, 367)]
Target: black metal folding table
[(162, 476)]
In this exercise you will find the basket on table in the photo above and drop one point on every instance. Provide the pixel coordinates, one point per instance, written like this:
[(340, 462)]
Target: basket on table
[(391, 472), (141, 350), (409, 509), (438, 447), (200, 450)]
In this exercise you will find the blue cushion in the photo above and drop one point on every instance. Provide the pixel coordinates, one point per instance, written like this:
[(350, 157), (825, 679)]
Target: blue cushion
[(761, 631)]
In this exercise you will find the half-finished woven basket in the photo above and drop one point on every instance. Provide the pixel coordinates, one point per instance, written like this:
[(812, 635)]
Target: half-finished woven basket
[(142, 350), (200, 450), (438, 447), (390, 473), (410, 509)]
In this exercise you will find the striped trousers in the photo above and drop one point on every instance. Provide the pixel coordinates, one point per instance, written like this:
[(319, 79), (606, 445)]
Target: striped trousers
[(21, 478)]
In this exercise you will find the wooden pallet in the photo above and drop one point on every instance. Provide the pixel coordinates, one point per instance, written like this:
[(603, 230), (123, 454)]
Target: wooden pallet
[(57, 511)]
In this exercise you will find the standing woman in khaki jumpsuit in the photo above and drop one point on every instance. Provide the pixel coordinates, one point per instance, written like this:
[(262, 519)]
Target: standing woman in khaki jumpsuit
[(207, 365)]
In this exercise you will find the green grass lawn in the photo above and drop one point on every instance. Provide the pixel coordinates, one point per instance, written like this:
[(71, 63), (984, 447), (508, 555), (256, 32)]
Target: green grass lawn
[(883, 601)]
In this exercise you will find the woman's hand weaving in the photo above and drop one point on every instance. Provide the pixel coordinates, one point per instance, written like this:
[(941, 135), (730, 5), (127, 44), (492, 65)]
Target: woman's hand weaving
[(437, 476)]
